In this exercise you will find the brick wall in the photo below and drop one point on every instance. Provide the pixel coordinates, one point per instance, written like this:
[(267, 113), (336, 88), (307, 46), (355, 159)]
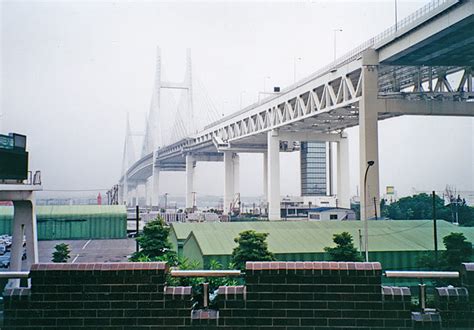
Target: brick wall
[(277, 295)]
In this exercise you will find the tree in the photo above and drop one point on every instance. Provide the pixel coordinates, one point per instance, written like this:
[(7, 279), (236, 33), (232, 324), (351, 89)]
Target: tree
[(458, 250), (154, 243), (62, 253), (421, 207), (251, 247), (344, 250)]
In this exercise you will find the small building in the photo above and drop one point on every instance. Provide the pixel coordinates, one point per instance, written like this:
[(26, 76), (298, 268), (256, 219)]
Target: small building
[(331, 213)]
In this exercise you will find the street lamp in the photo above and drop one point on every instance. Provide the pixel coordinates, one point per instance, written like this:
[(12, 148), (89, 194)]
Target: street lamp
[(166, 201), (335, 31), (241, 94), (396, 16), (366, 221), (265, 83), (294, 67)]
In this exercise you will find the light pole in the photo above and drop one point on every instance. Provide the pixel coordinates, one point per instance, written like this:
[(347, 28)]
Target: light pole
[(335, 31), (396, 16), (265, 83), (366, 221), (294, 67), (166, 201), (241, 94)]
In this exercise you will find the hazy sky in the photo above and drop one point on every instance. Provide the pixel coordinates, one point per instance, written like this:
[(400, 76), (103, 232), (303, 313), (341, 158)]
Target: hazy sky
[(70, 71)]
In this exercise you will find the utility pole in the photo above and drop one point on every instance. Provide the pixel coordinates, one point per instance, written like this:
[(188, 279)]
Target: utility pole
[(335, 31), (137, 221), (294, 67), (435, 229), (396, 16), (375, 207)]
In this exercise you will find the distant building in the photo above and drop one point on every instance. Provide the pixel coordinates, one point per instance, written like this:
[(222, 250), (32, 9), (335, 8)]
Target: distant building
[(331, 213), (313, 169)]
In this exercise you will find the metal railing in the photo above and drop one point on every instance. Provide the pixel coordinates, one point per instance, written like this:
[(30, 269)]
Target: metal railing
[(14, 274), (421, 275), (390, 32), (205, 273)]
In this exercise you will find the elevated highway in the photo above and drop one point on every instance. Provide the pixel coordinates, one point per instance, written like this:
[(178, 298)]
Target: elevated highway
[(421, 66)]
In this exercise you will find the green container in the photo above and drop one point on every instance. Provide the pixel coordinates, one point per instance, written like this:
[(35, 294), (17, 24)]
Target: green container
[(73, 222)]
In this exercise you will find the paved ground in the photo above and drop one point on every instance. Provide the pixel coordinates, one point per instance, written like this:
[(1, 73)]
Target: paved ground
[(107, 250)]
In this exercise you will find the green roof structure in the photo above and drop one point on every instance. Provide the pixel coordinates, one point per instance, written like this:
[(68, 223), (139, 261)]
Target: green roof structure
[(395, 243)]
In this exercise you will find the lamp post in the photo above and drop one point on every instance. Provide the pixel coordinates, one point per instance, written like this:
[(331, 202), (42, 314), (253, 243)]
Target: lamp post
[(166, 201), (335, 31), (265, 83), (366, 221), (396, 16), (241, 95), (294, 67)]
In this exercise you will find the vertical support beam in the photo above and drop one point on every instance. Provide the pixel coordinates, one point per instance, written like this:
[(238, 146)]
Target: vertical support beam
[(236, 173), (24, 223), (228, 181), (189, 181), (343, 176), (329, 174), (265, 177), (368, 136), (135, 195), (141, 192), (273, 179)]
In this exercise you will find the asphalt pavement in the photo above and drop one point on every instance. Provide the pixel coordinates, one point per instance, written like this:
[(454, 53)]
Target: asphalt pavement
[(106, 250)]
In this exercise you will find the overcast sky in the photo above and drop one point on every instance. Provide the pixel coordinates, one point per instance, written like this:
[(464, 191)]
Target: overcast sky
[(70, 71)]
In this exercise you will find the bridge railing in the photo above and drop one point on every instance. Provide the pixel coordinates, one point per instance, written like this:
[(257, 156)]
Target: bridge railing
[(420, 275), (352, 54)]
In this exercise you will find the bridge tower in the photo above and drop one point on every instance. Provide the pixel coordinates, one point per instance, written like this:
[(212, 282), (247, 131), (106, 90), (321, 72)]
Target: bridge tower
[(127, 160), (156, 134)]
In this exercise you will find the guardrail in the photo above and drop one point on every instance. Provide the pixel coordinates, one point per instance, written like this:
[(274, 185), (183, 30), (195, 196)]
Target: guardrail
[(421, 275)]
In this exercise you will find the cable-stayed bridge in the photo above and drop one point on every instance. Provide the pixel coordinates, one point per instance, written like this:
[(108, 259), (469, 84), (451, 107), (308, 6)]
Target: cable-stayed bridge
[(423, 65)]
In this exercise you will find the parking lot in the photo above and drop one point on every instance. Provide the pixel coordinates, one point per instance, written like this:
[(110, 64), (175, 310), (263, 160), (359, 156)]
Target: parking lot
[(107, 250), (99, 250)]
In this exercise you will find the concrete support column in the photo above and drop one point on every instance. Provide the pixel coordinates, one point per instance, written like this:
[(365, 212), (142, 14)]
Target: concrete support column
[(265, 177), (135, 195), (343, 176), (228, 181), (140, 192), (24, 223), (125, 191), (120, 193), (329, 172), (155, 187), (368, 138), (273, 179), (236, 165), (189, 181)]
